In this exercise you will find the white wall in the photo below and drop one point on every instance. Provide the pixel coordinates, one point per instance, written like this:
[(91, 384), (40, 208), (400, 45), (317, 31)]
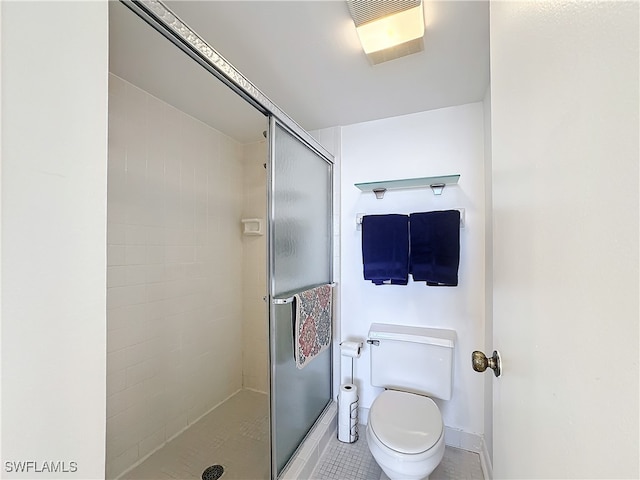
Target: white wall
[(438, 142), (175, 272), (54, 175)]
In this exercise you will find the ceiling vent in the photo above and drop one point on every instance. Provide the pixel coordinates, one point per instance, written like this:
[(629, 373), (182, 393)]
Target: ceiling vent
[(388, 29)]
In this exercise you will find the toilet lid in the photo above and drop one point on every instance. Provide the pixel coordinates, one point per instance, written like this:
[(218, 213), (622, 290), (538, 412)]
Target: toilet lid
[(406, 422)]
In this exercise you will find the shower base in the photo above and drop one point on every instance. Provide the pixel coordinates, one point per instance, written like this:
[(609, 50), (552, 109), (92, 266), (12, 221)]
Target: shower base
[(234, 435), (304, 461)]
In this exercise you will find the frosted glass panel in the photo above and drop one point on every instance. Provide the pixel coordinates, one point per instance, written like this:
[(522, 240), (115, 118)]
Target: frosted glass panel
[(302, 216), (300, 395), (300, 236)]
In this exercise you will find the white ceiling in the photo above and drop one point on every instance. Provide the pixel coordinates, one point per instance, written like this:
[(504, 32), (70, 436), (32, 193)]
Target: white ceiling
[(305, 56)]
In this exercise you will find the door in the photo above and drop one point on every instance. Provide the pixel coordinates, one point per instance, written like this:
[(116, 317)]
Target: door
[(300, 257), (565, 220)]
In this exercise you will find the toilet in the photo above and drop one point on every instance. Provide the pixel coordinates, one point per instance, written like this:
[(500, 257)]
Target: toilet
[(405, 432)]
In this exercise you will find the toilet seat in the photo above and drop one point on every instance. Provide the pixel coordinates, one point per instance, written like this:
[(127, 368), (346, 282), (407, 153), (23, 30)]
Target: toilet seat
[(405, 422)]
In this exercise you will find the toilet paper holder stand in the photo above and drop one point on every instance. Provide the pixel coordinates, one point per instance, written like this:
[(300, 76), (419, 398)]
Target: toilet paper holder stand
[(352, 412), (352, 350)]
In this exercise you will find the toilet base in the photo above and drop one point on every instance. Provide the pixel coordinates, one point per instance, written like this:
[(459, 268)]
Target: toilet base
[(384, 476), (405, 467), (393, 475)]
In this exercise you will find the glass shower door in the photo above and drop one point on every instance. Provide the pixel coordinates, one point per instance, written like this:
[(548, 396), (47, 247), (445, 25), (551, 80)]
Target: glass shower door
[(300, 257)]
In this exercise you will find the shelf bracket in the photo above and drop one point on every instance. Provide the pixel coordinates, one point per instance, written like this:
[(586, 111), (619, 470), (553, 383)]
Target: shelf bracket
[(437, 188), (379, 192)]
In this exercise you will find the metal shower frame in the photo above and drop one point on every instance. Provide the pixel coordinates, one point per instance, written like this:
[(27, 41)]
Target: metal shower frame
[(168, 24)]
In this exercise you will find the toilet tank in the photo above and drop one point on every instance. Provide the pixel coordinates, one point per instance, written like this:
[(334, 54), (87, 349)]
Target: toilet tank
[(412, 359)]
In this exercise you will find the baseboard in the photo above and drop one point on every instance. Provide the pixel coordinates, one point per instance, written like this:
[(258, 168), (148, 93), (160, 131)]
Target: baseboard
[(454, 437), (472, 442), (363, 415), (485, 462)]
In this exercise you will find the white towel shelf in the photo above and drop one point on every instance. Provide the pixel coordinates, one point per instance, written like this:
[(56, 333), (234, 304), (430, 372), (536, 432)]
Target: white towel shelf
[(437, 184)]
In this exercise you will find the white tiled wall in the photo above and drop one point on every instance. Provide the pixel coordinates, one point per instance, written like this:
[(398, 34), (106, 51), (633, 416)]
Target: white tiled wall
[(174, 299), (255, 327)]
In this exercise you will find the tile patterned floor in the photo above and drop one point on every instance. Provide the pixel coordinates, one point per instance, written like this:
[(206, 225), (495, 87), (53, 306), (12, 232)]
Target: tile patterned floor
[(353, 461), (342, 461), (458, 464), (234, 435)]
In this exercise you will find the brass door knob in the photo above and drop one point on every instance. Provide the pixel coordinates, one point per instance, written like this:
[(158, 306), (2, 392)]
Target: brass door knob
[(480, 362)]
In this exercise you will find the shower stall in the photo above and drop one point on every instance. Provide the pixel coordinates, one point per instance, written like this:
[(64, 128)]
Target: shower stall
[(201, 377)]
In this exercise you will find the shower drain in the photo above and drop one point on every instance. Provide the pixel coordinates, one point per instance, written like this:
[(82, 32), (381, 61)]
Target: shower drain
[(214, 472)]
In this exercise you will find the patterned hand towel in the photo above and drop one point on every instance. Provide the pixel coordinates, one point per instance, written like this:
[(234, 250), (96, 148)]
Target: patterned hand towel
[(312, 325)]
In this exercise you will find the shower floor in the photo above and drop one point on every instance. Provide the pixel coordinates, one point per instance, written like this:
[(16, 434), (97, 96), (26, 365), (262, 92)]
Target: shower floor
[(234, 435)]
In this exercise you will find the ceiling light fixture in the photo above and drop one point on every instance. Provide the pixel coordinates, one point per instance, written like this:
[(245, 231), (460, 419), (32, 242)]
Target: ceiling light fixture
[(388, 29)]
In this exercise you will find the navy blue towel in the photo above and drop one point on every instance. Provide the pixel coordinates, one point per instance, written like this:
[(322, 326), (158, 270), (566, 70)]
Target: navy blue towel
[(385, 248), (435, 247)]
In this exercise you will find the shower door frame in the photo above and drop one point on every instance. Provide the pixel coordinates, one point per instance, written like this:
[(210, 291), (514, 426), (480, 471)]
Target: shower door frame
[(273, 304), (168, 24)]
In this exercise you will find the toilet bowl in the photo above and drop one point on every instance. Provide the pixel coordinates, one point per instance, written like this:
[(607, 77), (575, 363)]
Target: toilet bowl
[(405, 435)]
